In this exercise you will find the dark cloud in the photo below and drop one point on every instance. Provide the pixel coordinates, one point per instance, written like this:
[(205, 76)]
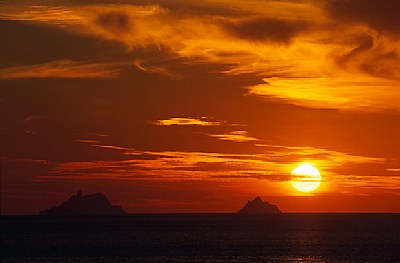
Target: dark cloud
[(378, 65), (371, 58), (380, 15), (181, 8), (24, 43), (364, 43), (115, 22), (267, 29)]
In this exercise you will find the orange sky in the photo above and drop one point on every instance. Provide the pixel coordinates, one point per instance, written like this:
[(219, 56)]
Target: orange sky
[(198, 106)]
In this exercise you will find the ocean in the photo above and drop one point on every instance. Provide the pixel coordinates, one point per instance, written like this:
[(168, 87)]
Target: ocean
[(202, 238)]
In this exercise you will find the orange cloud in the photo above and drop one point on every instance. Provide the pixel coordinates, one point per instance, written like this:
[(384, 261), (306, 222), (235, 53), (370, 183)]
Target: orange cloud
[(58, 15), (380, 15), (324, 92), (266, 29), (270, 166), (63, 69), (234, 136), (156, 69), (183, 121), (303, 50)]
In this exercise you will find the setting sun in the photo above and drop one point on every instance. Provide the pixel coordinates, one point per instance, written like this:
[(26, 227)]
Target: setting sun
[(305, 178)]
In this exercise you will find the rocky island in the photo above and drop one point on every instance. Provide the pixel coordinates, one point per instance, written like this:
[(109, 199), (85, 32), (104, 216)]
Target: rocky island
[(257, 206), (84, 205)]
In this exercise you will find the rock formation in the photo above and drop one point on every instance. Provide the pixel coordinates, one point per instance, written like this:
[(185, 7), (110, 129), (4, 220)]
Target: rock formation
[(84, 205), (257, 206)]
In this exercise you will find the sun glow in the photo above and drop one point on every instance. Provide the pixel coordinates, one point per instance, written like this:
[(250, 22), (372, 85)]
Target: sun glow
[(305, 178)]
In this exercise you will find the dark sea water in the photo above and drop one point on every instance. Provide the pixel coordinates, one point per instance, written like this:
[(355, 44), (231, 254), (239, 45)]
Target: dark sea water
[(203, 238)]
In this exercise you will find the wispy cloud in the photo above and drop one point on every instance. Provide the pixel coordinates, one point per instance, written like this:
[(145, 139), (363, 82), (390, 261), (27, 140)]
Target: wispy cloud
[(310, 54), (33, 118), (156, 69), (274, 163), (184, 121), (367, 93), (59, 15), (234, 136), (63, 69), (393, 169)]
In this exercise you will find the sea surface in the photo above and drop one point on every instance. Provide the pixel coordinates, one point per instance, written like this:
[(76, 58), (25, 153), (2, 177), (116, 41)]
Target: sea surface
[(202, 238)]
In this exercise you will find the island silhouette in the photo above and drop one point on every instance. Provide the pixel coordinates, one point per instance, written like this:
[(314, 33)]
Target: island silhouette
[(84, 205), (98, 205), (258, 206)]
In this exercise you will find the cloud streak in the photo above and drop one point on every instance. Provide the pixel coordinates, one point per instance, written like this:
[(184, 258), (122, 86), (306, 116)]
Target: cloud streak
[(234, 136), (273, 163), (184, 121), (63, 69)]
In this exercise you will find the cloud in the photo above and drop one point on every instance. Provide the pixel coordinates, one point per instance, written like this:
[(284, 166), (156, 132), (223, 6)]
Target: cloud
[(371, 54), (115, 22), (393, 169), (266, 29), (63, 69), (59, 15), (367, 93), (333, 54), (234, 136), (33, 118), (183, 121), (27, 43), (364, 43), (156, 69), (380, 15), (273, 163), (270, 167)]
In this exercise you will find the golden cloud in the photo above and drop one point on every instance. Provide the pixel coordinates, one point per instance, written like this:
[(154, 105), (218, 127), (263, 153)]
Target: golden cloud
[(306, 55), (273, 163), (234, 136), (63, 69), (183, 121), (324, 92)]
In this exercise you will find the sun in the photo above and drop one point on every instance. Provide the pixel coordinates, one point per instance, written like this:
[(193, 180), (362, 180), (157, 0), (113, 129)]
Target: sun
[(305, 178)]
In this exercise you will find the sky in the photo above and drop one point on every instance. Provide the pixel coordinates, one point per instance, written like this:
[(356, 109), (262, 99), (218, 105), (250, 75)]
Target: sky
[(199, 106)]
